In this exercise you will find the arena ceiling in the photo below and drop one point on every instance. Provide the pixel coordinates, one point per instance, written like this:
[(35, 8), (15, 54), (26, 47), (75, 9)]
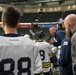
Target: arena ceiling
[(39, 5)]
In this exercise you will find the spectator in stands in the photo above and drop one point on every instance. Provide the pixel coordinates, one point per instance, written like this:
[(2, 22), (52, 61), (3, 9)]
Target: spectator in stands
[(73, 49), (58, 35), (65, 57), (70, 24)]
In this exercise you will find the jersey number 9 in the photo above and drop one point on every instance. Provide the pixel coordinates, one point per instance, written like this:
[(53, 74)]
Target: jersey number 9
[(42, 54)]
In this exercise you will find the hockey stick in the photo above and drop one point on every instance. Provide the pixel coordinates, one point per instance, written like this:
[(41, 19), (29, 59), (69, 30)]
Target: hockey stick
[(32, 32)]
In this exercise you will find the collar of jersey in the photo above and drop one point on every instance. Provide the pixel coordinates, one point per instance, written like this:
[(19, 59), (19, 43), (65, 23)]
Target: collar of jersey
[(11, 35)]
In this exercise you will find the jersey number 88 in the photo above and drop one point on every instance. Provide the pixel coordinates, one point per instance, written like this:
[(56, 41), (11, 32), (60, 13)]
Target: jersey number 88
[(11, 62)]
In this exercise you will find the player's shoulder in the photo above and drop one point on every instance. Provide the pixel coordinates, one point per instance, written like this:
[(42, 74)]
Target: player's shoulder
[(28, 41), (2, 38), (22, 39), (46, 43), (66, 39), (60, 31)]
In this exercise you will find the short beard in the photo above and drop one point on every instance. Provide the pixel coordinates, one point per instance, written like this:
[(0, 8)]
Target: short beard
[(68, 33)]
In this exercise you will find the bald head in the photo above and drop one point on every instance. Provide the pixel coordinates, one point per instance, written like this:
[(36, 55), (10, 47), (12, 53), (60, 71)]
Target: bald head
[(70, 21), (52, 30)]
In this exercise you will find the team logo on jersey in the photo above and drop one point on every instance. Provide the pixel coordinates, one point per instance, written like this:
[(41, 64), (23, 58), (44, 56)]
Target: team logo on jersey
[(65, 43)]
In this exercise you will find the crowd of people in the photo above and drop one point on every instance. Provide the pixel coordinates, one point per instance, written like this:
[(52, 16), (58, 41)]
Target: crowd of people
[(19, 55)]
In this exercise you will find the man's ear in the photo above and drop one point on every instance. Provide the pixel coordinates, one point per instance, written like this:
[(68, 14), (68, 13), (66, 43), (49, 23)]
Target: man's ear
[(69, 26), (3, 23)]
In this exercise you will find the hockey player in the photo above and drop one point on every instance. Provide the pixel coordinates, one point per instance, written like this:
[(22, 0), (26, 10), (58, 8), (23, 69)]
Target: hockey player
[(45, 50), (18, 54)]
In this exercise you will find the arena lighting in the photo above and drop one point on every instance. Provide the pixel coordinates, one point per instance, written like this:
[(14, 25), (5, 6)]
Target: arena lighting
[(74, 6), (51, 9), (1, 8), (69, 7), (58, 8), (55, 9)]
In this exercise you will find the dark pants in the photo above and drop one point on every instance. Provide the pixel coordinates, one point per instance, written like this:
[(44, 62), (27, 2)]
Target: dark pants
[(66, 71), (46, 73)]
